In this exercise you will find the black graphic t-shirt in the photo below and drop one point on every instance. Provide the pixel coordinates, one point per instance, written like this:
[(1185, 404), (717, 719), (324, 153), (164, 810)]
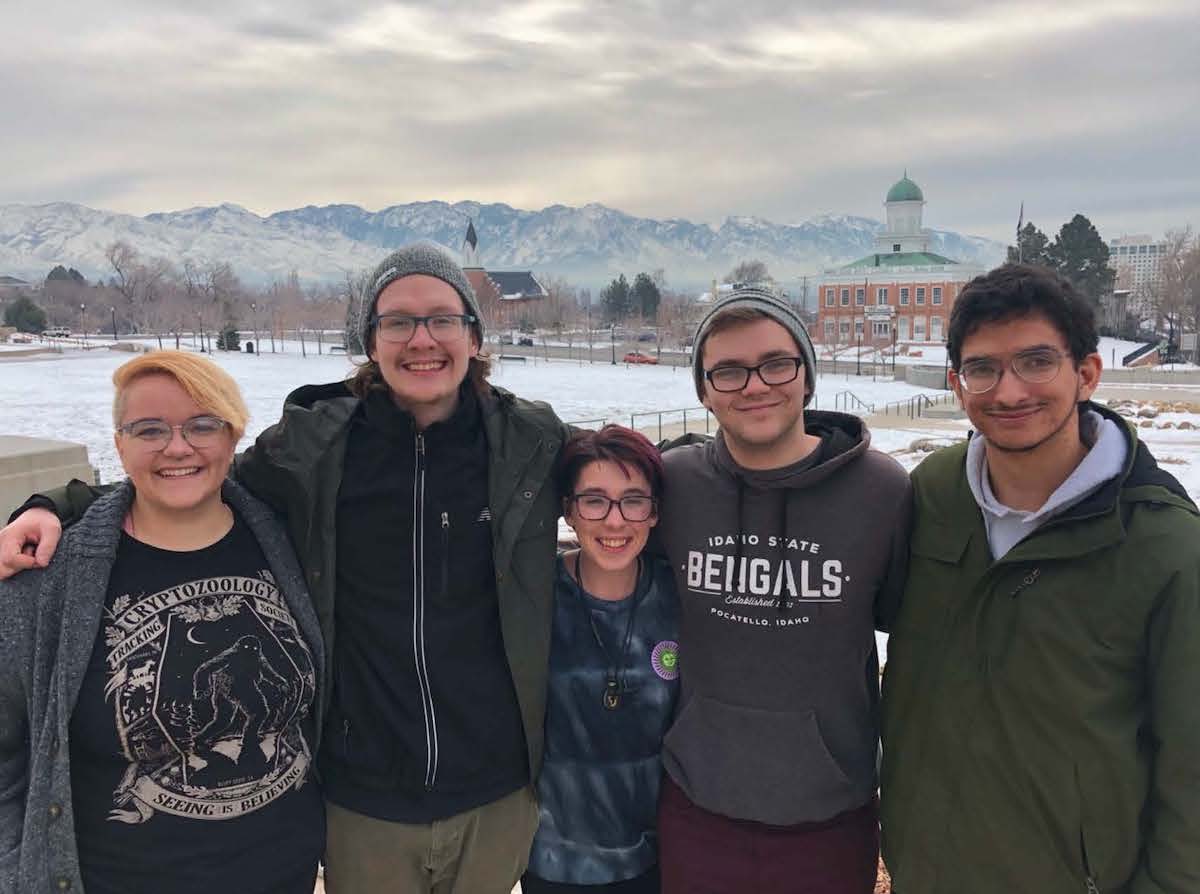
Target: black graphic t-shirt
[(190, 764)]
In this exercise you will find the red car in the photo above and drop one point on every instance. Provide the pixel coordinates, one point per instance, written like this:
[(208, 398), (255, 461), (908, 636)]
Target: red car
[(639, 357)]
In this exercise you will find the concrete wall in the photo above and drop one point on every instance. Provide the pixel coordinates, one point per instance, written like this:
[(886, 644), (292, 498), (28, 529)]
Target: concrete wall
[(1146, 375), (925, 376), (30, 465)]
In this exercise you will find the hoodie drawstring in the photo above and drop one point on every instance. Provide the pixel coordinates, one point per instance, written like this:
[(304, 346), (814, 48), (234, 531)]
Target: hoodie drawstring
[(781, 548)]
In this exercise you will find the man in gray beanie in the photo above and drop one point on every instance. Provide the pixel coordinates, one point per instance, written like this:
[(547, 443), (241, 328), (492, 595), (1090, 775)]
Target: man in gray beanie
[(788, 537), (756, 301), (420, 500)]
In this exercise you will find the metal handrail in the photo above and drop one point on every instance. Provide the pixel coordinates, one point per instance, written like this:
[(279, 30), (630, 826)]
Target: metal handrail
[(633, 418), (844, 400), (585, 423)]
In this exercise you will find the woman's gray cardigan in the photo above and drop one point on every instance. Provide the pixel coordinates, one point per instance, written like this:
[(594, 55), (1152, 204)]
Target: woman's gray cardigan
[(49, 619)]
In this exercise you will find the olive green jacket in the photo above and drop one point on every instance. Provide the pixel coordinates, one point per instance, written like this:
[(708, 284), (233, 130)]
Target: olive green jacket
[(1041, 716)]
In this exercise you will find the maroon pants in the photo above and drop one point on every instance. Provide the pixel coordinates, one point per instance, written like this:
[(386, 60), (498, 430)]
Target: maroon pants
[(704, 853)]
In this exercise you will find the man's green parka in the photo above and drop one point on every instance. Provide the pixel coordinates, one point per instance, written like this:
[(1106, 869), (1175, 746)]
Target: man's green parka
[(1041, 717)]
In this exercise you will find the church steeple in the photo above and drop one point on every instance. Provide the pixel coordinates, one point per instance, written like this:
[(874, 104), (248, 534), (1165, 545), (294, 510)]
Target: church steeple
[(470, 249)]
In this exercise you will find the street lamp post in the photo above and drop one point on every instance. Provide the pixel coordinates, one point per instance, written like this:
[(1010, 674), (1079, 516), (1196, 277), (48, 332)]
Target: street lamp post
[(858, 354), (82, 327), (113, 311), (254, 324), (612, 335)]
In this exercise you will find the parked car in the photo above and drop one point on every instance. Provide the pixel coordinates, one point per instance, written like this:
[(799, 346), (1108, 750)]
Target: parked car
[(525, 341), (639, 357), (506, 338), (56, 332), (647, 336)]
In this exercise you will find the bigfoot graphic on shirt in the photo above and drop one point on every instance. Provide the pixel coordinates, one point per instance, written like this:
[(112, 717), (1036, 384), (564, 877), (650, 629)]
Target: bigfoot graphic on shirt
[(208, 680)]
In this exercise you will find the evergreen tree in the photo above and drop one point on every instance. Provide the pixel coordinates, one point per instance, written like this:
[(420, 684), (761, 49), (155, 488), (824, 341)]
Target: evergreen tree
[(61, 274), (615, 299), (1034, 247), (25, 315), (1080, 255), (645, 296), (228, 340)]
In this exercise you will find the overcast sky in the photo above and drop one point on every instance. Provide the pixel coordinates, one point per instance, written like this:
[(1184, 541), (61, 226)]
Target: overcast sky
[(662, 108)]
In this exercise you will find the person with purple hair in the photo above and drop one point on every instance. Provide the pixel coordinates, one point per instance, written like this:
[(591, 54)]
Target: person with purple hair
[(614, 668)]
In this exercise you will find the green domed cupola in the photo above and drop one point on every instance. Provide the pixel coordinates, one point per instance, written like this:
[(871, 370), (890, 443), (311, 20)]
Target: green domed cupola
[(904, 190)]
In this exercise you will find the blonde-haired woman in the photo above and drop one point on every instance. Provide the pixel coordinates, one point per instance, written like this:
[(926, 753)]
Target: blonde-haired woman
[(157, 679)]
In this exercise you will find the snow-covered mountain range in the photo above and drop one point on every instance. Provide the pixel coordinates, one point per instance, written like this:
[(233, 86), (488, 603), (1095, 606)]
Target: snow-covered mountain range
[(587, 245)]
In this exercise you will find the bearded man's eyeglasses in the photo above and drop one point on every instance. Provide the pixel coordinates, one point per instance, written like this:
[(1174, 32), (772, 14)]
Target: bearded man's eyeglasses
[(1036, 366)]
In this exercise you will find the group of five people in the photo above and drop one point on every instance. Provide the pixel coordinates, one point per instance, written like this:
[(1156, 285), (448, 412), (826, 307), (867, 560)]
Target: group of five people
[(425, 698)]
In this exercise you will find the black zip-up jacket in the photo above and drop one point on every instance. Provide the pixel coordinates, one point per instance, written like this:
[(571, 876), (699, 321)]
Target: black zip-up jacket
[(420, 673)]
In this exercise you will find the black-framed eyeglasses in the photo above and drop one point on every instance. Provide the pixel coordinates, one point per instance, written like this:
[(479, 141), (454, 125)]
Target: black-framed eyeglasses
[(1036, 366), (155, 434), (776, 371), (596, 507), (400, 328)]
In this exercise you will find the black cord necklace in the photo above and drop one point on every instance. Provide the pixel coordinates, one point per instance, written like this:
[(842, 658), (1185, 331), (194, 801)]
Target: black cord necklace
[(615, 684)]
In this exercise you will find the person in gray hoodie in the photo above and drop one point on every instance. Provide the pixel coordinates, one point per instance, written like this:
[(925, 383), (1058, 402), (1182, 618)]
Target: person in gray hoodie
[(788, 537)]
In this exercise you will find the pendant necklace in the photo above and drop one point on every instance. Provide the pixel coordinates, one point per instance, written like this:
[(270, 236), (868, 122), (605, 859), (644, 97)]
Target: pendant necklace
[(615, 684)]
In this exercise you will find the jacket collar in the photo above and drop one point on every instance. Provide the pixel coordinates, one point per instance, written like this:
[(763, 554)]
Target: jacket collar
[(381, 412)]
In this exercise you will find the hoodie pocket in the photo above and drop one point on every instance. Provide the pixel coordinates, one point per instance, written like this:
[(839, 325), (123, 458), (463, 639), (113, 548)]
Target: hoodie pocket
[(747, 763)]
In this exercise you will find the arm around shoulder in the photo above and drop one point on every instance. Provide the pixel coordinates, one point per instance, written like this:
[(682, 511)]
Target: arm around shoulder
[(15, 631)]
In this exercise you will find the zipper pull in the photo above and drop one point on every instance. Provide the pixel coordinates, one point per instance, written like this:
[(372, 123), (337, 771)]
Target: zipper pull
[(420, 444), (445, 520), (345, 735), (1091, 886)]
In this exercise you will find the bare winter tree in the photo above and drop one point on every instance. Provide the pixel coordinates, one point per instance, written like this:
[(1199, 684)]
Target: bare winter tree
[(1174, 297), (142, 284), (675, 323), (748, 271), (558, 312)]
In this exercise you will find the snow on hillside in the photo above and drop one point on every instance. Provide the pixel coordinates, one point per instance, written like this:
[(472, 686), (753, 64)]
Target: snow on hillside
[(588, 244)]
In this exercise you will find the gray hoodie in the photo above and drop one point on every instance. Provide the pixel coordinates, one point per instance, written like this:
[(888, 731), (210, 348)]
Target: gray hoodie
[(783, 575)]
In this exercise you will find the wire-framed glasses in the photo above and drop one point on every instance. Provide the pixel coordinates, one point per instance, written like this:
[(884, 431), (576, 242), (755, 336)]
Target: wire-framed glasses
[(1036, 366), (156, 434)]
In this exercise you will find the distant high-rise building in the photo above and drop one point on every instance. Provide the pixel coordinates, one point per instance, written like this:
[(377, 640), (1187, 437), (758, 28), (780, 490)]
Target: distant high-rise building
[(1137, 260)]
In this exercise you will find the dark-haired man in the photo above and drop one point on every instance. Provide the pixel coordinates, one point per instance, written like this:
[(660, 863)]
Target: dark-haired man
[(1041, 720)]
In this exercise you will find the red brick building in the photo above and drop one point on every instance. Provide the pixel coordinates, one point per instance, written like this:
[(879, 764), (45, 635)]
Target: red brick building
[(901, 292)]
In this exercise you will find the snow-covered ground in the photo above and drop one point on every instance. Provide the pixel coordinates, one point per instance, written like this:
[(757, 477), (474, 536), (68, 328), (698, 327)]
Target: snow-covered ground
[(69, 395)]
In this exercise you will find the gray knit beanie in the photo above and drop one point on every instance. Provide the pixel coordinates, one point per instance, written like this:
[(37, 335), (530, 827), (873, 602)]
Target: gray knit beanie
[(774, 307), (419, 257)]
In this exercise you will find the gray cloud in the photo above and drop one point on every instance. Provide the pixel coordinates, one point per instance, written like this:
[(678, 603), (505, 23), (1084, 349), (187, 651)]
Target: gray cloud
[(662, 109)]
